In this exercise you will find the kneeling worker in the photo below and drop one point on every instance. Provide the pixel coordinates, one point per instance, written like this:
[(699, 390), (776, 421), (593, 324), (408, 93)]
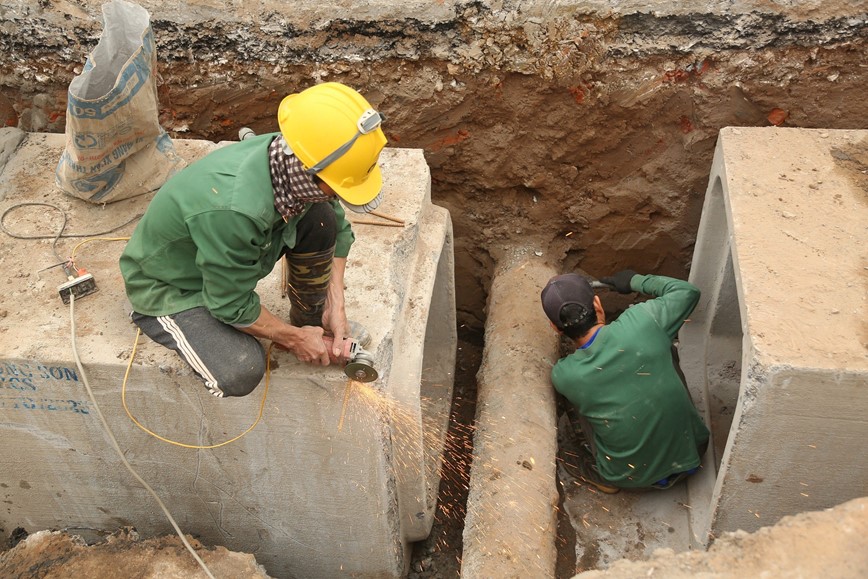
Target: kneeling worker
[(641, 427), (220, 225)]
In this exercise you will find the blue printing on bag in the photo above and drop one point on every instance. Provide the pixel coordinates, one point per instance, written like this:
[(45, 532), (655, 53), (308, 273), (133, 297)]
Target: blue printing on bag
[(165, 144), (97, 185), (102, 184), (132, 78)]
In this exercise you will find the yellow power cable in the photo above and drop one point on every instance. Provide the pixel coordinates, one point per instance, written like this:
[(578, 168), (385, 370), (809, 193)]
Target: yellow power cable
[(74, 249), (117, 447), (107, 428), (157, 436), (130, 365)]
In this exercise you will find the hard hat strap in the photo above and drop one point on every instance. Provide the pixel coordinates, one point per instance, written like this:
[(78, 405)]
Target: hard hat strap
[(367, 123), (333, 156)]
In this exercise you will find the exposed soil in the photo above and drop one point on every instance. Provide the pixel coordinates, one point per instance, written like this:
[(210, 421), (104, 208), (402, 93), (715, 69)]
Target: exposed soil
[(603, 168), (789, 549), (56, 555), (590, 137)]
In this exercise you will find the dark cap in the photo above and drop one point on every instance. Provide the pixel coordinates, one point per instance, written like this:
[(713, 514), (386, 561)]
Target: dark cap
[(561, 290)]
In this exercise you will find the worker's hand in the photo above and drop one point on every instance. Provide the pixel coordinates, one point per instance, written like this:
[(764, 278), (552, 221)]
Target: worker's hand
[(334, 319), (308, 346), (620, 281)]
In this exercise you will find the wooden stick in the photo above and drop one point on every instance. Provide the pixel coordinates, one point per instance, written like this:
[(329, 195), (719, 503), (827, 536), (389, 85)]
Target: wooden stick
[(389, 217), (363, 222)]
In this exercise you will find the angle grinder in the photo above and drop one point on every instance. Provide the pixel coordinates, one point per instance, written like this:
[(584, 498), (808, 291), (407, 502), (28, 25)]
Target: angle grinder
[(357, 362)]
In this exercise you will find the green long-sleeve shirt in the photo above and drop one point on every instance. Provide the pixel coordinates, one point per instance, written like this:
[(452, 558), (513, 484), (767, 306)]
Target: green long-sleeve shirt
[(625, 384), (210, 234)]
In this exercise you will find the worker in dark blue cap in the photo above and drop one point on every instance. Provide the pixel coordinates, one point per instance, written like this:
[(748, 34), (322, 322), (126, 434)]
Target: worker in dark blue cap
[(640, 427)]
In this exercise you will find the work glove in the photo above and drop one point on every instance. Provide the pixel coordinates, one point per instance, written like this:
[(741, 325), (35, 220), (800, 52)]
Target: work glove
[(620, 281)]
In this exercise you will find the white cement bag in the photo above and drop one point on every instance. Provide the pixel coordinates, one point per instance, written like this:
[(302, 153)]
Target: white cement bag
[(115, 146)]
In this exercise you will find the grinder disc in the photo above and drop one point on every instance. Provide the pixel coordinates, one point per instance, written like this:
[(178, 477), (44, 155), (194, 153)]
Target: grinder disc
[(361, 372)]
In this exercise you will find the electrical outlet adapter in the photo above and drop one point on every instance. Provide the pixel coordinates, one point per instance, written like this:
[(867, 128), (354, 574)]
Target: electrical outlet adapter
[(80, 286)]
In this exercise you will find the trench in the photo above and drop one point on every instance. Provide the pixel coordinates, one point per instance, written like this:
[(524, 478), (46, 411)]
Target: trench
[(439, 555), (597, 158)]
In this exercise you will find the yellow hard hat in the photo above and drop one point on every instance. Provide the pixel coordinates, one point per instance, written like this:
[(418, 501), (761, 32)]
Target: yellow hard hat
[(336, 135)]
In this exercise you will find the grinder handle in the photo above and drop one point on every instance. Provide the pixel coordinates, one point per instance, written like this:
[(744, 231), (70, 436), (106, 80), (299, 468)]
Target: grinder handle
[(346, 349)]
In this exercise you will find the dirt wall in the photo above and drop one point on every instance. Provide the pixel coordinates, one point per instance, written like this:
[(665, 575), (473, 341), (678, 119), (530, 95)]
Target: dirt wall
[(579, 128)]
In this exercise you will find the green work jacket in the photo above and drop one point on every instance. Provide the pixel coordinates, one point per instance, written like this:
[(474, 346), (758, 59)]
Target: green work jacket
[(210, 234), (625, 383)]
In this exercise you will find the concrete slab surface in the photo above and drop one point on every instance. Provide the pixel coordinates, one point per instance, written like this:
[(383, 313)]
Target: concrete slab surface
[(630, 525), (312, 491), (779, 336)]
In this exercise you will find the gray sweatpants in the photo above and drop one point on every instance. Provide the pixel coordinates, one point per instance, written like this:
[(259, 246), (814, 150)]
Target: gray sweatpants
[(230, 362)]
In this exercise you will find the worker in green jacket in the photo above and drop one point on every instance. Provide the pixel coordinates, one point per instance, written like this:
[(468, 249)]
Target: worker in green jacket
[(640, 426), (220, 225)]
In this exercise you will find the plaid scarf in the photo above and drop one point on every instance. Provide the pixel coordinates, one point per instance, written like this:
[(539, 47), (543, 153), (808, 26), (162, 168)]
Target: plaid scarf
[(293, 188)]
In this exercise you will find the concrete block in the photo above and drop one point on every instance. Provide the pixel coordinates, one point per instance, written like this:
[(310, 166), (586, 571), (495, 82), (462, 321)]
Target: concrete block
[(776, 348), (334, 480)]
